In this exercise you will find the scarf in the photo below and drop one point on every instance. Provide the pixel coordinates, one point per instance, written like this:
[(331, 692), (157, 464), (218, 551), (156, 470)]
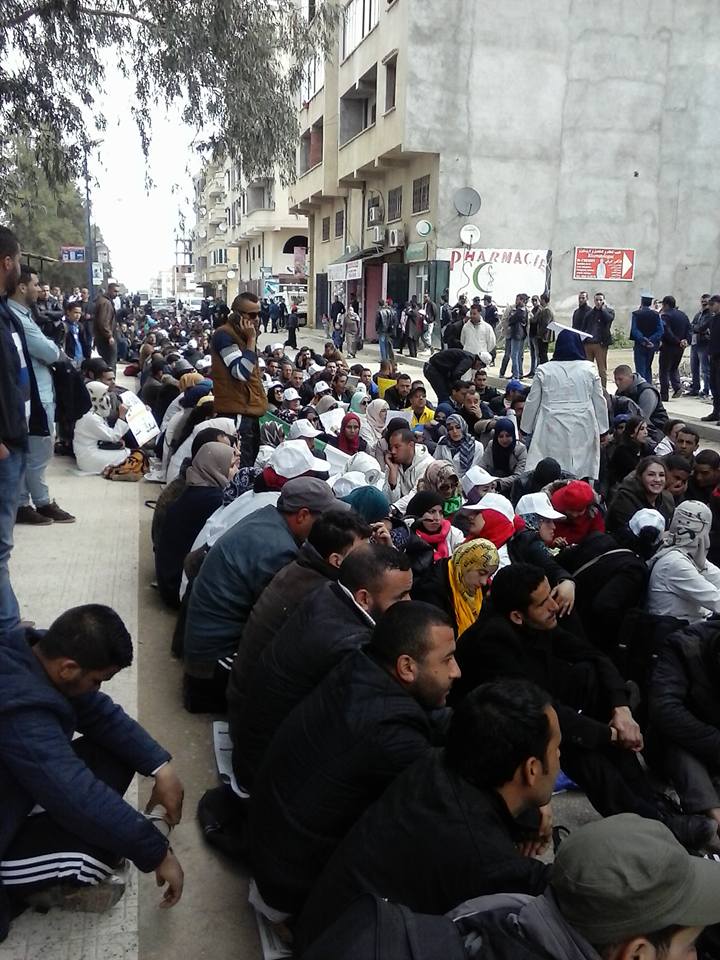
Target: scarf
[(240, 483), (436, 540), (375, 418), (271, 434), (501, 455), (569, 346), (478, 554), (464, 448), (188, 380), (101, 401), (689, 533), (210, 466), (357, 399), (498, 529), (348, 446)]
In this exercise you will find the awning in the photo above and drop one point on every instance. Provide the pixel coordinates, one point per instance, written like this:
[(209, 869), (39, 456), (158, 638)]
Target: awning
[(349, 267)]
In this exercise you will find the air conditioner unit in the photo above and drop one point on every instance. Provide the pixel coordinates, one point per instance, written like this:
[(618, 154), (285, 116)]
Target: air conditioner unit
[(378, 235), (375, 215), (396, 237)]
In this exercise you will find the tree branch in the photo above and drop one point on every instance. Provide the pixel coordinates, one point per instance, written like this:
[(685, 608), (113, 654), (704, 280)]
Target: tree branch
[(42, 9)]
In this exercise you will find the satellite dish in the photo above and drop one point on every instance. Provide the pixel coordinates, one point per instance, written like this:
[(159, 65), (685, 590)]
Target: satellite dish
[(231, 274), (202, 234), (423, 228), (469, 234), (466, 201), (222, 227)]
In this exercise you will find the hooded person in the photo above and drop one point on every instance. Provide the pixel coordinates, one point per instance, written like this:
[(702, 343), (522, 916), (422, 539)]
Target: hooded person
[(533, 481), (96, 444), (683, 583), (360, 400), (205, 479), (348, 439), (371, 503), (424, 517), (458, 446), (441, 478), (577, 501), (455, 584), (506, 456), (325, 404), (565, 411), (371, 430)]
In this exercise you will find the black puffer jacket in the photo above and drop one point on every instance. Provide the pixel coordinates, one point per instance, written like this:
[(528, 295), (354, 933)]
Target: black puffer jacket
[(332, 757), (325, 628), (684, 707), (528, 547)]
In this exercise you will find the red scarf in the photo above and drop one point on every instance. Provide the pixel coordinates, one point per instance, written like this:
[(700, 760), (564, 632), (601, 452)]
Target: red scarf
[(273, 480), (437, 540), (349, 446), (498, 529)]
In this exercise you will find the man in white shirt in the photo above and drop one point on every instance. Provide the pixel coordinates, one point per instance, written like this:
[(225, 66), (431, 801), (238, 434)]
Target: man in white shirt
[(477, 336)]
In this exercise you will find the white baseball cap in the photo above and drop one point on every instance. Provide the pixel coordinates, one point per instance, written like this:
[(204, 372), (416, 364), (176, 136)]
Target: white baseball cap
[(276, 346), (538, 503), (302, 428), (291, 394), (321, 387), (493, 501), (293, 458), (476, 477), (647, 518)]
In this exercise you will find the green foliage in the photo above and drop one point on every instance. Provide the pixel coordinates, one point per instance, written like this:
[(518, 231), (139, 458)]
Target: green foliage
[(235, 65)]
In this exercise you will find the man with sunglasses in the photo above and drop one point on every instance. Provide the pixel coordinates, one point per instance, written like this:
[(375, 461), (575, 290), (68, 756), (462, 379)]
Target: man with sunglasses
[(237, 380)]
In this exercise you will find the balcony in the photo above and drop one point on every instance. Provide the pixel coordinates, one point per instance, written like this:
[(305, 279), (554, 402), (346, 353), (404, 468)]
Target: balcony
[(215, 186), (216, 214)]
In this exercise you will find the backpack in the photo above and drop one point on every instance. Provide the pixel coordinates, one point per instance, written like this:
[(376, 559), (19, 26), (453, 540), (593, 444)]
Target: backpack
[(375, 929)]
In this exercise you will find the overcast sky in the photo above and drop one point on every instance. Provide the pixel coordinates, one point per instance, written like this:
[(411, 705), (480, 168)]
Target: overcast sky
[(137, 225)]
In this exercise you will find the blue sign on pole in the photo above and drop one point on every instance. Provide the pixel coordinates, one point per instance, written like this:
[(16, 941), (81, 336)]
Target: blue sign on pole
[(72, 254)]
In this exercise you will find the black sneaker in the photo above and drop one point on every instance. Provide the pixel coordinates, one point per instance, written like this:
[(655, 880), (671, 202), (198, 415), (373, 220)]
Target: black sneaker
[(30, 515), (694, 831), (710, 418), (677, 394), (53, 512)]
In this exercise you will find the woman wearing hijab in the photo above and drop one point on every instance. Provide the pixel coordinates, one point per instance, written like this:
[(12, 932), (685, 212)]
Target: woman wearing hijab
[(205, 481), (506, 457), (95, 443), (683, 582), (458, 446), (371, 430), (275, 397), (425, 518), (360, 401), (441, 478), (349, 439), (186, 381), (455, 584), (565, 411), (271, 436)]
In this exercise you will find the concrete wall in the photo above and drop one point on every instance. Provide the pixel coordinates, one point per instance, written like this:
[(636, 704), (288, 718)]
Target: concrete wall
[(579, 124)]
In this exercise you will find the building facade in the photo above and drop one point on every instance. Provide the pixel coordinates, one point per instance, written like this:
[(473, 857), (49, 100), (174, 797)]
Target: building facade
[(573, 134)]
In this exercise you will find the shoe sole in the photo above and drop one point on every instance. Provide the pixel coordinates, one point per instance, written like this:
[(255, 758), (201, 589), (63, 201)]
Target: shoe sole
[(94, 898)]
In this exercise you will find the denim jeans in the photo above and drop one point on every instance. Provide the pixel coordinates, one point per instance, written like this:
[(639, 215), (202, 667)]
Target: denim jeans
[(700, 367), (516, 356), (643, 358), (39, 454), (12, 470)]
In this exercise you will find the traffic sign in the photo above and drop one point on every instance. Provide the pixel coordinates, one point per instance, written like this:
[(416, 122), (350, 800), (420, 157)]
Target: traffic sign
[(72, 254), (604, 263)]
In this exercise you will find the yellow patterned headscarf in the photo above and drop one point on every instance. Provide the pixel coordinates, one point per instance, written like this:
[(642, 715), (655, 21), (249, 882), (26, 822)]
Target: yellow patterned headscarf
[(479, 555)]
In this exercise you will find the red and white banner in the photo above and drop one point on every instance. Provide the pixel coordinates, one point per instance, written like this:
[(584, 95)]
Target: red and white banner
[(604, 263)]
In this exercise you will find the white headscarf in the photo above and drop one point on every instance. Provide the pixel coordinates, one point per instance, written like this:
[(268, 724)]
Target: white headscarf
[(101, 400), (375, 417), (690, 532)]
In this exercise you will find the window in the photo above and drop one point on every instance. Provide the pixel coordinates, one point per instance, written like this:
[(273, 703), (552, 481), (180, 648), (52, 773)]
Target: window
[(219, 257), (359, 19), (247, 254), (358, 106), (421, 194), (340, 223), (313, 78), (422, 278), (326, 228), (390, 83), (394, 204)]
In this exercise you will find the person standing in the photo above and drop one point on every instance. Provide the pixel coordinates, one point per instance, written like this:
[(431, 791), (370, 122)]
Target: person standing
[(43, 352), (646, 329), (545, 317), (412, 321), (237, 381), (699, 360), (14, 412), (597, 321), (676, 336), (532, 336), (86, 322), (477, 336), (445, 315), (292, 324), (579, 317), (351, 331), (516, 331), (105, 327), (383, 327), (431, 315), (714, 354)]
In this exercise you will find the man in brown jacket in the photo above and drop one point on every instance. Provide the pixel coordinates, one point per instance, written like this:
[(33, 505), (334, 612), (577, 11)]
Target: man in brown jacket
[(237, 382), (105, 326)]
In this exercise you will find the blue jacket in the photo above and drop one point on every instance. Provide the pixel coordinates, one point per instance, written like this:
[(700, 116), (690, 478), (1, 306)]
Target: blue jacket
[(39, 766), (646, 319)]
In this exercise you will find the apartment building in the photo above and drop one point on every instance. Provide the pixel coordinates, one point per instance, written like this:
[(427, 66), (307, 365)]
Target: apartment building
[(572, 133), (216, 259)]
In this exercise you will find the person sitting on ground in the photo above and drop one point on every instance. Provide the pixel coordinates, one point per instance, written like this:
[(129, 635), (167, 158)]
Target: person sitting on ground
[(601, 737), (81, 828), (369, 719), (455, 584), (339, 387), (371, 429), (533, 481), (642, 489), (458, 446), (398, 397), (421, 412), (334, 621), (333, 537), (348, 440), (441, 478), (95, 443), (406, 463), (686, 443), (670, 431), (494, 519), (582, 516), (683, 583), (274, 397), (426, 536), (630, 448), (205, 479), (476, 483), (705, 476), (447, 829), (505, 457), (233, 575), (644, 396), (532, 545), (678, 471), (684, 717)]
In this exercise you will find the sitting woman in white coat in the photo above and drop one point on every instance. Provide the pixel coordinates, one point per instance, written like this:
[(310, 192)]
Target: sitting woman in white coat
[(96, 444), (565, 411), (458, 446)]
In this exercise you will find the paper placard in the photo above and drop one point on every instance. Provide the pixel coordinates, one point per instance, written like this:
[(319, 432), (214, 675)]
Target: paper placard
[(139, 419), (332, 420), (337, 460)]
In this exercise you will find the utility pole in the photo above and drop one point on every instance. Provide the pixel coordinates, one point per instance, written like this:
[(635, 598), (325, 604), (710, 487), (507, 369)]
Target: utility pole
[(88, 232)]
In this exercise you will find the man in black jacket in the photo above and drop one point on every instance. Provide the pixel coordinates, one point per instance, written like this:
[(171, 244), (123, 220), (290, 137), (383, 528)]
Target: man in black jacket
[(684, 714), (444, 368), (336, 620), (597, 321), (714, 354), (699, 359), (372, 716), (447, 828), (676, 336), (521, 638)]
